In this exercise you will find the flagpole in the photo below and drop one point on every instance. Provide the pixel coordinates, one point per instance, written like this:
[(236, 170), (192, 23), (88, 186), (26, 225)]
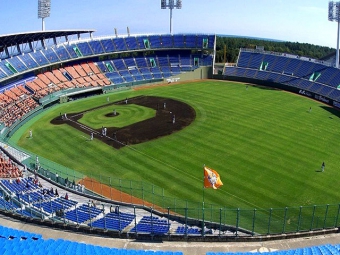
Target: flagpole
[(203, 203)]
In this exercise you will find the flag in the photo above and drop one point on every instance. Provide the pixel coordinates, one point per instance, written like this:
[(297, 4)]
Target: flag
[(211, 178)]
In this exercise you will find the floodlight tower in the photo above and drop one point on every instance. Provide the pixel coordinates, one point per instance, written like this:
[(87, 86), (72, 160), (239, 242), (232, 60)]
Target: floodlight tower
[(170, 4), (44, 10), (333, 15)]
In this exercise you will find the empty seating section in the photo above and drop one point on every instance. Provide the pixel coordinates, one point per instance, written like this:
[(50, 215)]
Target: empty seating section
[(108, 45), (96, 47), (115, 77), (335, 80), (167, 41), (114, 221), (202, 41), (137, 75), (40, 58), (211, 42), (243, 59), (85, 49), (72, 72), (74, 50), (119, 64), (79, 69), (271, 60), (130, 62), (291, 66), (163, 61), (5, 69), (131, 43), (250, 73), (140, 42), (190, 41), (119, 44), (316, 88), (17, 64), (166, 71), (179, 41), (71, 50), (58, 74), (152, 224), (255, 61), (126, 76), (51, 55), (2, 74), (146, 73), (182, 230), (82, 213), (324, 249), (103, 68), (141, 62), (28, 60), (16, 242), (156, 72), (62, 53), (302, 73), (155, 42), (53, 79)]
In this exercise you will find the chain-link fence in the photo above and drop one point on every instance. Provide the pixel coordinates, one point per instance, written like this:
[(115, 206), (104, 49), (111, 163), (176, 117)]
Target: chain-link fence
[(138, 193)]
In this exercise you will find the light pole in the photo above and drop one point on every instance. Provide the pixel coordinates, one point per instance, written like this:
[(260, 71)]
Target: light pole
[(44, 10), (333, 15), (170, 4)]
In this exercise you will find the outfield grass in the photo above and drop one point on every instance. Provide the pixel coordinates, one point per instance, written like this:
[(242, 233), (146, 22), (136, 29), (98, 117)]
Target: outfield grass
[(264, 143)]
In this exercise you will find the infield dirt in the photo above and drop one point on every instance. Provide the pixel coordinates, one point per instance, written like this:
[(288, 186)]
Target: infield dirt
[(171, 116)]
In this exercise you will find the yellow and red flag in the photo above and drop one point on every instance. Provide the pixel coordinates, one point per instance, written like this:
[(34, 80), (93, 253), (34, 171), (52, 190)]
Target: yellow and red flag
[(211, 178)]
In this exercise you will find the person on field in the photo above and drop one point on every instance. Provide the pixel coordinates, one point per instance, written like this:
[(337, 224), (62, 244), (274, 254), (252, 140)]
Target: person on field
[(323, 166), (91, 137), (31, 133)]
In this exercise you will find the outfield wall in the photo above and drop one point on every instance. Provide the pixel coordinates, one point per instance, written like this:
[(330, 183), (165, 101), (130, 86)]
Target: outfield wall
[(204, 72), (275, 85)]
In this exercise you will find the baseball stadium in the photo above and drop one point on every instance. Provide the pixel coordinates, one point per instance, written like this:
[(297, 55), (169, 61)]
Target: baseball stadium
[(144, 144)]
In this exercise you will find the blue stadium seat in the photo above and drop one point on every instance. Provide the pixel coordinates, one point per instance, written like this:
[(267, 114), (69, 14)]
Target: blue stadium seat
[(96, 47)]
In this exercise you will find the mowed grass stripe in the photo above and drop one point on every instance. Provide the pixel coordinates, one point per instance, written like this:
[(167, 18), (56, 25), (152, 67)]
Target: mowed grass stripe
[(264, 143), (126, 115)]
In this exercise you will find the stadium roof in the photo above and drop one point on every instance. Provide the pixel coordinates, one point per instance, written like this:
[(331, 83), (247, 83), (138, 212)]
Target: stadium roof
[(21, 38)]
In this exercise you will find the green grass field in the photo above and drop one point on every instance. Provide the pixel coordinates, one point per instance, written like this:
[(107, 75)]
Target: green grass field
[(128, 114), (264, 143)]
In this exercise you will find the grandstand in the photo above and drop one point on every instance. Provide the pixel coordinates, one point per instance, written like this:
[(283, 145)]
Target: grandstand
[(310, 77), (34, 79)]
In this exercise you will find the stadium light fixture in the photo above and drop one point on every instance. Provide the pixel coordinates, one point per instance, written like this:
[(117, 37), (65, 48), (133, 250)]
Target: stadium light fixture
[(44, 10), (333, 15), (170, 4)]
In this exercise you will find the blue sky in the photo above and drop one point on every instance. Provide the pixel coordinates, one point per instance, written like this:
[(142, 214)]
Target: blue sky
[(304, 21)]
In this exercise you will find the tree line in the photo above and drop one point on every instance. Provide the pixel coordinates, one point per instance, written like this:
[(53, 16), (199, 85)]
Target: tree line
[(233, 45)]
